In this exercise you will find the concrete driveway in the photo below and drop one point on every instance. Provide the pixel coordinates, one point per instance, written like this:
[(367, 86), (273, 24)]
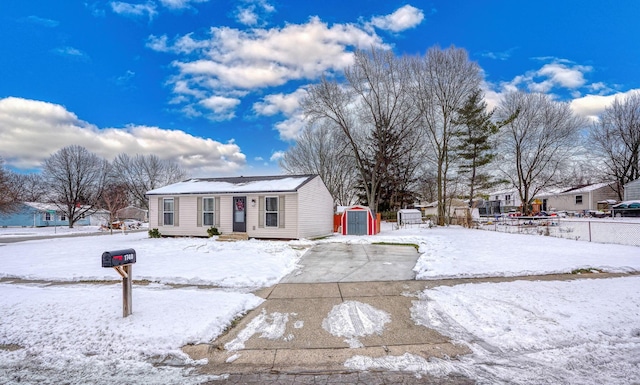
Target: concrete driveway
[(341, 262)]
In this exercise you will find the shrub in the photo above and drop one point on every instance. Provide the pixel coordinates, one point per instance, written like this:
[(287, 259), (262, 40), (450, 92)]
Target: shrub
[(154, 233), (212, 231)]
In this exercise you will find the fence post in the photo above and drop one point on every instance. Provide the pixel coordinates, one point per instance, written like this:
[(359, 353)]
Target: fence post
[(589, 222)]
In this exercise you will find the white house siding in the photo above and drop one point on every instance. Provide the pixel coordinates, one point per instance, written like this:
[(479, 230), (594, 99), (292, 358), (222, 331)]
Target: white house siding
[(632, 191), (590, 199), (311, 218), (316, 203)]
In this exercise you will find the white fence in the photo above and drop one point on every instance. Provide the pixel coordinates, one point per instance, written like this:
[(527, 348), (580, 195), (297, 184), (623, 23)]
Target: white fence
[(616, 231)]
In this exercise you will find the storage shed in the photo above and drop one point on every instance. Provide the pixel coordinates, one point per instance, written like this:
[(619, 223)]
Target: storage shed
[(358, 220)]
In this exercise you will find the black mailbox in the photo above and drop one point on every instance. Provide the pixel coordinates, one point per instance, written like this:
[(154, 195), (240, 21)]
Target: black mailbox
[(118, 258)]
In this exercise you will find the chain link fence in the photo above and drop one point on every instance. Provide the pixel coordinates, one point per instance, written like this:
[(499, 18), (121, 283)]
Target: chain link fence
[(616, 231)]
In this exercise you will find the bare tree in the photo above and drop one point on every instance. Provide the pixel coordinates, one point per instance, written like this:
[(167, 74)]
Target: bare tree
[(537, 143), (114, 198), (143, 173), (30, 187), (443, 80), (374, 111), (8, 190), (76, 178), (616, 138), (321, 150)]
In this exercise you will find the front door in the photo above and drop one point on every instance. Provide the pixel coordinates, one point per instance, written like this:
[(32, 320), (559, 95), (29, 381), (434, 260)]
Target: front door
[(239, 214)]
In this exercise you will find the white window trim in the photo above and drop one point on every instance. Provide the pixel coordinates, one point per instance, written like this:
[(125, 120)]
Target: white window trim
[(277, 211), (164, 211), (213, 211)]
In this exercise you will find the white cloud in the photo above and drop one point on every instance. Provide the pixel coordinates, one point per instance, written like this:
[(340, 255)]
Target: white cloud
[(32, 130), (232, 62), (565, 76), (591, 106), (221, 106), (252, 12), (134, 10), (559, 73), (49, 23), (403, 18), (180, 4), (286, 104), (276, 156), (70, 51)]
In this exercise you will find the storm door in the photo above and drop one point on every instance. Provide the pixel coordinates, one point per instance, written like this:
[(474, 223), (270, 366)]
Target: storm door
[(239, 214)]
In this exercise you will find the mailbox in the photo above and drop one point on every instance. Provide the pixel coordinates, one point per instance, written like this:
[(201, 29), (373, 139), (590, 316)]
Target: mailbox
[(118, 258)]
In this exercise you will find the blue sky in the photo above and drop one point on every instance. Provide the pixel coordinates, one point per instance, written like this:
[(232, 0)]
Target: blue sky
[(215, 85)]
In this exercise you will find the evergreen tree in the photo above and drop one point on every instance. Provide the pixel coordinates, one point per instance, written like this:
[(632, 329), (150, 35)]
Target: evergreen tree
[(476, 127)]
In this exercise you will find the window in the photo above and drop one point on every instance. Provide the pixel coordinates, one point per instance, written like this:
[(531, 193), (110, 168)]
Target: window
[(578, 199), (208, 211), (63, 217), (271, 212), (167, 206), (47, 216)]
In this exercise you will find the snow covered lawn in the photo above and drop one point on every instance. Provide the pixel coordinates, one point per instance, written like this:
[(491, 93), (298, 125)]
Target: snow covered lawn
[(576, 332), (75, 334)]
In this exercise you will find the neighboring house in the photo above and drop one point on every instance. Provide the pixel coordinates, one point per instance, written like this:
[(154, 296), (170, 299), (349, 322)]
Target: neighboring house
[(578, 199), (33, 214), (132, 212), (632, 190), (503, 201), (283, 206), (456, 208)]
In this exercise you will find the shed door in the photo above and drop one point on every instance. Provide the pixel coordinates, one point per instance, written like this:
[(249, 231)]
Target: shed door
[(357, 222)]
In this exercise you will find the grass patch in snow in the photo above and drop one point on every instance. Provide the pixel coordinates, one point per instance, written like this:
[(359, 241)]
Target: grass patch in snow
[(589, 270), (417, 247)]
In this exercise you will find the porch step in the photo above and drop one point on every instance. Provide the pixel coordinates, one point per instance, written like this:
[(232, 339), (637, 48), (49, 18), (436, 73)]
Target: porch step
[(232, 237)]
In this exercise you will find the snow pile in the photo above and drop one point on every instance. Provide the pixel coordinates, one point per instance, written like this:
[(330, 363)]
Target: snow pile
[(354, 319), (405, 363), (76, 334), (271, 326), (583, 331)]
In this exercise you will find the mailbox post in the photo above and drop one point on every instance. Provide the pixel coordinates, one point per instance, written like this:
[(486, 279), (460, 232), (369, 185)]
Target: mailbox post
[(122, 261)]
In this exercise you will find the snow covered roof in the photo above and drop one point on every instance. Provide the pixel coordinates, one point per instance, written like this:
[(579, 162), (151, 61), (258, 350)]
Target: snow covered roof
[(242, 184), (42, 206), (584, 189)]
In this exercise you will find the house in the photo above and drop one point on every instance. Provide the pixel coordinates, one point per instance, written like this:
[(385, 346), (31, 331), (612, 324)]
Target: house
[(632, 190), (132, 212), (578, 199), (503, 201), (34, 214), (456, 207), (279, 207)]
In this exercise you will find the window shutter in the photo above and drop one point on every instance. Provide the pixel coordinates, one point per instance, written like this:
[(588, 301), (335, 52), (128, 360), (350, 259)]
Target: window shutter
[(160, 211), (199, 210), (176, 211), (261, 211), (281, 211), (216, 214)]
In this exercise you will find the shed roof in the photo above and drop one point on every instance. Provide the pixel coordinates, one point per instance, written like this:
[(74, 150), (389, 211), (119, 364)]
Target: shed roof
[(242, 184)]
